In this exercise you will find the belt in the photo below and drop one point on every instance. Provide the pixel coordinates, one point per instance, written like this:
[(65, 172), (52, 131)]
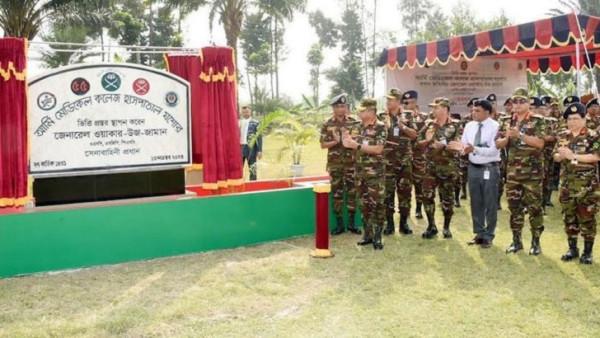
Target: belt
[(484, 165)]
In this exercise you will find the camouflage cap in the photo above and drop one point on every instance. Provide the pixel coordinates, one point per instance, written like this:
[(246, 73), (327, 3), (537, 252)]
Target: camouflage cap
[(575, 108), (520, 93), (440, 101), (508, 101), (367, 103), (394, 93)]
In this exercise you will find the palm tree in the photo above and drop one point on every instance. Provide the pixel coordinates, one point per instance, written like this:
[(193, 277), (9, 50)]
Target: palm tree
[(280, 11), (184, 7), (24, 18), (231, 15)]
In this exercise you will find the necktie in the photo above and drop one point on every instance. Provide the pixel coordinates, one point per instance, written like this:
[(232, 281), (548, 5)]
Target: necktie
[(478, 135)]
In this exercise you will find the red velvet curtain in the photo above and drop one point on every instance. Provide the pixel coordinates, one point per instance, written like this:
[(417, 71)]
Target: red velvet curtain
[(218, 111), (13, 123), (188, 68)]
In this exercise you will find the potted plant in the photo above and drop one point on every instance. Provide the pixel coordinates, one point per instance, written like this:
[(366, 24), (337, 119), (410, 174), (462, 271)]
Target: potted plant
[(296, 136)]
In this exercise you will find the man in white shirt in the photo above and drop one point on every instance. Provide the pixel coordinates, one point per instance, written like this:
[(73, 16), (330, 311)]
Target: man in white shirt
[(479, 142)]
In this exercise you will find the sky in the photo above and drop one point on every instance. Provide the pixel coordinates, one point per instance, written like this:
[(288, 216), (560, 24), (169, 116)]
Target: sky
[(299, 35)]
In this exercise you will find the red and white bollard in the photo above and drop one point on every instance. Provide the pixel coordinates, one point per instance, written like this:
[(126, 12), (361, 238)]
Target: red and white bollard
[(321, 221)]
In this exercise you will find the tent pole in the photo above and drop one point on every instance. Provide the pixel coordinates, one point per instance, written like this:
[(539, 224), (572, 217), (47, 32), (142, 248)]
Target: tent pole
[(578, 68)]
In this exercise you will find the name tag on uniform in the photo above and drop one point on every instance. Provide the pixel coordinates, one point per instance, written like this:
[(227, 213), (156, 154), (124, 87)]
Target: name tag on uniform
[(396, 131), (486, 175)]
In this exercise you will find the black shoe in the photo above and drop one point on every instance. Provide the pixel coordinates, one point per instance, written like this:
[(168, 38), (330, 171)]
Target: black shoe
[(516, 245), (446, 232), (365, 241), (486, 244), (586, 258), (536, 248), (475, 241), (391, 227), (549, 204), (431, 230), (457, 204), (352, 227), (573, 251), (377, 241), (339, 229), (404, 227), (418, 213)]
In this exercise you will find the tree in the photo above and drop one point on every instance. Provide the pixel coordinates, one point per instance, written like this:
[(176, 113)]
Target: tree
[(327, 31), (348, 75), (315, 60), (184, 8), (64, 33), (414, 14), (278, 12), (255, 43), (230, 14), (24, 18)]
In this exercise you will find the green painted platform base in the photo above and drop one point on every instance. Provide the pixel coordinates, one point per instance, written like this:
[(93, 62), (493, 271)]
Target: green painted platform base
[(58, 240)]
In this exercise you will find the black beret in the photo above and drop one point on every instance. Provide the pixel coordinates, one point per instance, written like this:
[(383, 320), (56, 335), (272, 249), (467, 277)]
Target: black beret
[(575, 108), (570, 99), (546, 99), (592, 102), (491, 98), (340, 99), (485, 104), (535, 101), (411, 94), (471, 101)]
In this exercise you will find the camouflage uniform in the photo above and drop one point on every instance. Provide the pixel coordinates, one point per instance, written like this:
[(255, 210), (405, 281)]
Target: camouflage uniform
[(398, 164), (370, 178), (340, 165), (419, 164), (551, 130), (579, 192), (524, 172), (441, 172)]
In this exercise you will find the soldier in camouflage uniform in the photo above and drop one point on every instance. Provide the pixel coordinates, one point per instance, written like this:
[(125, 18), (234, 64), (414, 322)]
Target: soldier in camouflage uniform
[(503, 152), (368, 143), (578, 150), (592, 117), (522, 135), (549, 142), (419, 169), (555, 170), (340, 162), (441, 165), (398, 156)]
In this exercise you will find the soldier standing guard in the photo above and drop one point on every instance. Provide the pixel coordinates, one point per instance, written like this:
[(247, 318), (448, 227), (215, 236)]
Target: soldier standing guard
[(398, 156), (549, 142), (340, 162), (441, 165), (578, 150), (522, 134), (370, 171), (419, 170)]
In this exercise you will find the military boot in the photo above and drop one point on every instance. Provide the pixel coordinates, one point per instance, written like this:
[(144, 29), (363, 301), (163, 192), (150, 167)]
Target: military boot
[(586, 258), (418, 213), (404, 227), (516, 244), (339, 229), (391, 227), (536, 248), (377, 241), (431, 230), (352, 226), (446, 232), (573, 251)]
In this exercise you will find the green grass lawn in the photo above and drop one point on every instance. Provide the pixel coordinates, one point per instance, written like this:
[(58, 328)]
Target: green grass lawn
[(412, 288)]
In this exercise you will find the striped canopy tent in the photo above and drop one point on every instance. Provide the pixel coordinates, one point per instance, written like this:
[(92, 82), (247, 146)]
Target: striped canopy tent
[(547, 45)]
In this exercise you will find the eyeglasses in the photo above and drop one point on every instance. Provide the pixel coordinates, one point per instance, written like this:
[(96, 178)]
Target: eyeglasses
[(520, 101)]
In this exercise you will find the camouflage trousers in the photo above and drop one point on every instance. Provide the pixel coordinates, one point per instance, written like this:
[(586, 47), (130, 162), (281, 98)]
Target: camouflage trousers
[(444, 180), (419, 171), (371, 191), (521, 195), (579, 213), (342, 184), (398, 180), (502, 180)]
